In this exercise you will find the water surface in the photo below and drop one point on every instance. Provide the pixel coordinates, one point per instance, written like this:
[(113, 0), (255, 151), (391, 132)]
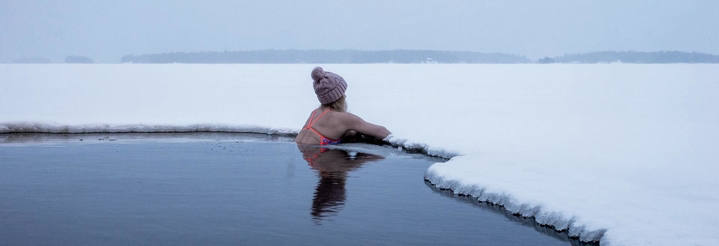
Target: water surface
[(189, 189)]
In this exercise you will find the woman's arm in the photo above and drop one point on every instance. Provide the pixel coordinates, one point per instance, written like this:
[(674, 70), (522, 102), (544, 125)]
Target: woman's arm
[(356, 123)]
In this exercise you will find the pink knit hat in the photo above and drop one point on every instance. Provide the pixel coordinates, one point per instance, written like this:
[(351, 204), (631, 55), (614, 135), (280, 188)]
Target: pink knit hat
[(328, 86)]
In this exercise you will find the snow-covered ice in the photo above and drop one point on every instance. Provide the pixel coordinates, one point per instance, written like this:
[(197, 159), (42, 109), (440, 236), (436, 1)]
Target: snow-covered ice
[(625, 153)]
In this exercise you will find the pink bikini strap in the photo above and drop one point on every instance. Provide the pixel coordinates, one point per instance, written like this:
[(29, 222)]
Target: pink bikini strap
[(313, 120)]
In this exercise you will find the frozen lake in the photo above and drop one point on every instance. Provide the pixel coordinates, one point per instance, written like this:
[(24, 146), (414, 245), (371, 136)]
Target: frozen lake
[(599, 150), (189, 189)]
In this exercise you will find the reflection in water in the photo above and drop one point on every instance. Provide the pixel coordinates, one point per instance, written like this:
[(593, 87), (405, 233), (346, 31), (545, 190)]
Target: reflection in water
[(332, 166)]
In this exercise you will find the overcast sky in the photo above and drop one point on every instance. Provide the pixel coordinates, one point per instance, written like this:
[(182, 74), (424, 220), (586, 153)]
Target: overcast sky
[(107, 30)]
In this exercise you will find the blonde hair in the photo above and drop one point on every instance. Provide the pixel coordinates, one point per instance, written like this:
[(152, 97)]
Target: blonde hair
[(340, 105)]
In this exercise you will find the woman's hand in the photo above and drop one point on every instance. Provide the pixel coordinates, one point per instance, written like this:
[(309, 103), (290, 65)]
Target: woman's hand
[(350, 133), (358, 125)]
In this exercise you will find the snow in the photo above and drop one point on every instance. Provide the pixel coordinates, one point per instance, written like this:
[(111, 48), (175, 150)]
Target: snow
[(622, 153)]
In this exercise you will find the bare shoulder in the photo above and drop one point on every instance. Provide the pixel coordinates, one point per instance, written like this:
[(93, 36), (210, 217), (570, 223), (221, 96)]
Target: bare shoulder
[(348, 118), (354, 122)]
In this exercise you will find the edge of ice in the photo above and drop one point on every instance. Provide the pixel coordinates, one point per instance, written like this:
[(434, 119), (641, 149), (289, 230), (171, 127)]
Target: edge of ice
[(37, 127), (41, 127), (556, 220)]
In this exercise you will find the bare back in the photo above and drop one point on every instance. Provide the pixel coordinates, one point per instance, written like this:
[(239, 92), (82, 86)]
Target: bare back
[(335, 125)]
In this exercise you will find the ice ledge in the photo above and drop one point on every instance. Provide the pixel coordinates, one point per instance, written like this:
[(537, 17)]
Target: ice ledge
[(417, 147), (558, 221), (45, 127), (37, 127)]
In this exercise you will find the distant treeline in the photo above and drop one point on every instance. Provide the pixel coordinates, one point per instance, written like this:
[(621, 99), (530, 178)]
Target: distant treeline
[(327, 56), (42, 60), (78, 59), (393, 56), (32, 60), (634, 57)]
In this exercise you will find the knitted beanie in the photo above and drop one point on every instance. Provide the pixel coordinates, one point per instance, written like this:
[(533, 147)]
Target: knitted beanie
[(328, 86)]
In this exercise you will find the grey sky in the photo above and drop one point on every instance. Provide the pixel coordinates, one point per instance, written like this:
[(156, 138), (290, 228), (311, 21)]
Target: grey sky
[(106, 30)]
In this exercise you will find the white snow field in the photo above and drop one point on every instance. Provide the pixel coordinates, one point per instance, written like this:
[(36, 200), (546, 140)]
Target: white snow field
[(625, 154)]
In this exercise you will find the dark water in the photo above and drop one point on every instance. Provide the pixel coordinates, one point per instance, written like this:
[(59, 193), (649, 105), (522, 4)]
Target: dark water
[(233, 189)]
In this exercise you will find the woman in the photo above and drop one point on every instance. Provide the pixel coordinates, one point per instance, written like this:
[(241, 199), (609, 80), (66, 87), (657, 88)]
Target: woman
[(330, 122)]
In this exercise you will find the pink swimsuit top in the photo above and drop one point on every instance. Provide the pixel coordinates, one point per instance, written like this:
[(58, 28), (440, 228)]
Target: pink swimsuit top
[(323, 140)]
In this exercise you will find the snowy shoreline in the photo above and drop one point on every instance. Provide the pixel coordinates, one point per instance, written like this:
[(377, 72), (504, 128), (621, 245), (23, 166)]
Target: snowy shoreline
[(511, 205), (623, 149), (437, 181), (530, 221), (35, 127), (504, 201), (46, 128)]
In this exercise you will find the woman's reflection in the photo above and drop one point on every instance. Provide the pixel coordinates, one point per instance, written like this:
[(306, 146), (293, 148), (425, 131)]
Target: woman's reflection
[(332, 166)]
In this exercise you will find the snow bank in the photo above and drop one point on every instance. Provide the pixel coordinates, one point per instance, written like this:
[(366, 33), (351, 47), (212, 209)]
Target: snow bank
[(37, 127), (624, 153)]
